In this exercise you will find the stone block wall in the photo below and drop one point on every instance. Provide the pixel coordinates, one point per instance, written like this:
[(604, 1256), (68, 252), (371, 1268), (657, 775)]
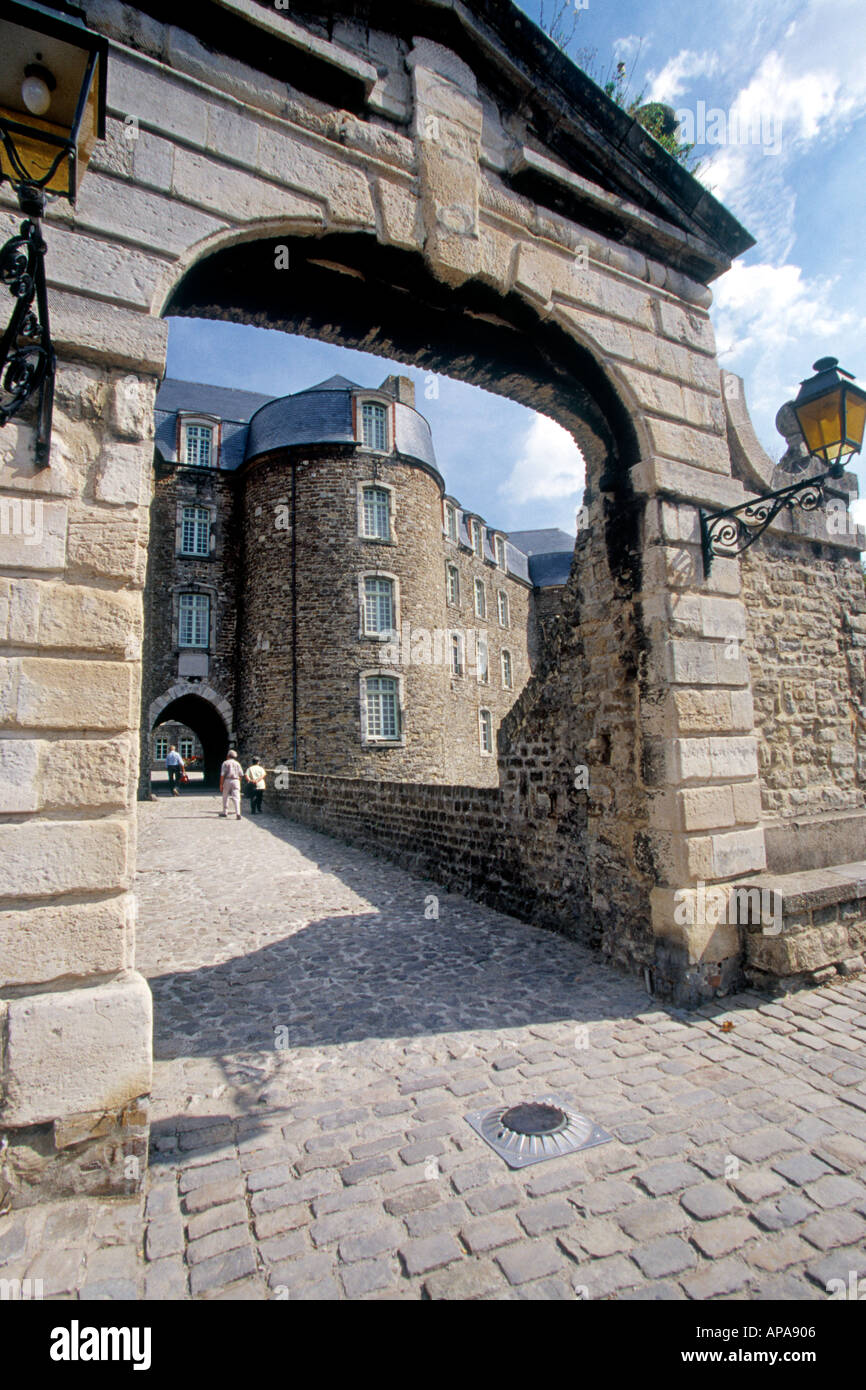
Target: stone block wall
[(806, 645), (75, 1059)]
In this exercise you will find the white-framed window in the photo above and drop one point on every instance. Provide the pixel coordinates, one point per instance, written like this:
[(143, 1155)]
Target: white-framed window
[(193, 628), (480, 599), (476, 535), (198, 445), (499, 547), (485, 730), (186, 747), (451, 521), (502, 606), (381, 704), (458, 663), (374, 425), (378, 614), (195, 531), (453, 585), (376, 513), (482, 658), (507, 671), (160, 749)]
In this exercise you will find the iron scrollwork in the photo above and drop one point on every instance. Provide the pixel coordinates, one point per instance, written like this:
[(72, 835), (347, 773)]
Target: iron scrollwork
[(732, 531), (27, 359)]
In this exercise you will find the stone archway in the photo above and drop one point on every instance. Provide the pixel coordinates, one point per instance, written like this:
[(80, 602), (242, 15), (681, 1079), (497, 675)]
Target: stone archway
[(206, 713), (461, 140)]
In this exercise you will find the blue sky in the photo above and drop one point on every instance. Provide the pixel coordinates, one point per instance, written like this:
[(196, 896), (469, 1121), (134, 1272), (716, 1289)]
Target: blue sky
[(791, 74)]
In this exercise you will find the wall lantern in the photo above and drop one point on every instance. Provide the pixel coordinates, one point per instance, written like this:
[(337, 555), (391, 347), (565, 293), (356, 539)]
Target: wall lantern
[(831, 414), (52, 112)]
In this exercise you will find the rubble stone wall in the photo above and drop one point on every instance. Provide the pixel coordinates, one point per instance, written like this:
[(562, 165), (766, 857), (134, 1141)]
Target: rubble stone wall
[(806, 645)]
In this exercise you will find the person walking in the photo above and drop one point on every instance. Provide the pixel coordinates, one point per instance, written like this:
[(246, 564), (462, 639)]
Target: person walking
[(174, 766), (231, 773), (256, 782)]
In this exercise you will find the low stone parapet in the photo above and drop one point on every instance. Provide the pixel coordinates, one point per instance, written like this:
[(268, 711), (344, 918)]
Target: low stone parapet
[(818, 928)]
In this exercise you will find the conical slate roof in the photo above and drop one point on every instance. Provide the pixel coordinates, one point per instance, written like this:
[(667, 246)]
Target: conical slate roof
[(333, 383)]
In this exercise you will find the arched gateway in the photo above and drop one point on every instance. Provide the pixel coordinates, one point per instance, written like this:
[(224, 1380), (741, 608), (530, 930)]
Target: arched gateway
[(439, 185), (201, 709)]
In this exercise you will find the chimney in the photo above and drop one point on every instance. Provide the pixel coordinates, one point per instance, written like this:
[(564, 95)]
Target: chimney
[(402, 388)]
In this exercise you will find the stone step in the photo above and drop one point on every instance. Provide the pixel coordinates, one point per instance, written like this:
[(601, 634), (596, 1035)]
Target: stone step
[(815, 842), (813, 925)]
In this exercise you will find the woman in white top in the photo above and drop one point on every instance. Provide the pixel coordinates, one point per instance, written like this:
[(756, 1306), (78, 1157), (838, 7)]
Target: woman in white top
[(231, 773)]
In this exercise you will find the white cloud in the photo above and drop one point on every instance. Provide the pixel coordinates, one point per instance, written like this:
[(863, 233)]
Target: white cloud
[(548, 466), (676, 75), (766, 306), (629, 46)]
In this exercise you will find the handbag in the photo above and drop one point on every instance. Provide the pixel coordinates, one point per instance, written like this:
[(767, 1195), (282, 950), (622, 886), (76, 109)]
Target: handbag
[(183, 779)]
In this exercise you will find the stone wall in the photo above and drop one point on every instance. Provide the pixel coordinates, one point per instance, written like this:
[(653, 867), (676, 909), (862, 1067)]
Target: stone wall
[(74, 1016), (440, 729), (585, 300), (170, 574), (806, 607)]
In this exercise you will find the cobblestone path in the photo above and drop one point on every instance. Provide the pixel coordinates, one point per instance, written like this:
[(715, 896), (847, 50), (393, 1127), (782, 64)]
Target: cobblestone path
[(319, 1040)]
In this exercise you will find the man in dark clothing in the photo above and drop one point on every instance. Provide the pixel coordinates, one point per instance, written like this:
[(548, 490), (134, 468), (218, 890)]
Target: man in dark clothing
[(255, 775)]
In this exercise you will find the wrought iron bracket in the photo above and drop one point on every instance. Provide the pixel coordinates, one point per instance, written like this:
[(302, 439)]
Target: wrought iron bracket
[(733, 530), (27, 359)]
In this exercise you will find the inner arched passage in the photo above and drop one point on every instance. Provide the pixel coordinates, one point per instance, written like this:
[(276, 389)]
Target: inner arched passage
[(355, 292), (207, 724)]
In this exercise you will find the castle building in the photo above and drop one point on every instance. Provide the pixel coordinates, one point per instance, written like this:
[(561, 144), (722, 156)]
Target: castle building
[(316, 598)]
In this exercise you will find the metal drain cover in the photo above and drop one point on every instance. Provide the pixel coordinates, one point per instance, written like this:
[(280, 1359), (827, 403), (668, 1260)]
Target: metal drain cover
[(535, 1130)]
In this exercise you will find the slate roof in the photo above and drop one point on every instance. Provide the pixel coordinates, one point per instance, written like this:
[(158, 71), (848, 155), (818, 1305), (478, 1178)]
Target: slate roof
[(223, 401), (545, 571), (544, 541), (333, 383), (253, 424)]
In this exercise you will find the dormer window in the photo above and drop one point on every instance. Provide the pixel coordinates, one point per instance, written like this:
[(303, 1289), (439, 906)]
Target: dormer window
[(499, 547), (451, 521), (198, 443), (477, 537), (374, 426)]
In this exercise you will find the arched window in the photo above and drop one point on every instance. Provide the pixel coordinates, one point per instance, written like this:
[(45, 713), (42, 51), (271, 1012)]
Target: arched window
[(480, 599), (507, 674), (485, 730), (457, 658), (374, 426), (198, 441), (483, 659), (453, 576), (502, 600)]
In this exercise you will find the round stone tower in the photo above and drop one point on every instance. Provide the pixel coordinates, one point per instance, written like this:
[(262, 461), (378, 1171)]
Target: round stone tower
[(343, 654)]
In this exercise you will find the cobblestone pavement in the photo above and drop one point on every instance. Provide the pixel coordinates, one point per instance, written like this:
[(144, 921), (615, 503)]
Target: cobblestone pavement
[(319, 1040)]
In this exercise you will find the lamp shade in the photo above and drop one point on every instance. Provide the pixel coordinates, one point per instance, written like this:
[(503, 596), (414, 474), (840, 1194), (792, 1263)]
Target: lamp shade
[(831, 413), (52, 99)]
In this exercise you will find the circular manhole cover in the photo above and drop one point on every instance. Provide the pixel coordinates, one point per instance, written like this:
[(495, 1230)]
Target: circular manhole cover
[(534, 1117)]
